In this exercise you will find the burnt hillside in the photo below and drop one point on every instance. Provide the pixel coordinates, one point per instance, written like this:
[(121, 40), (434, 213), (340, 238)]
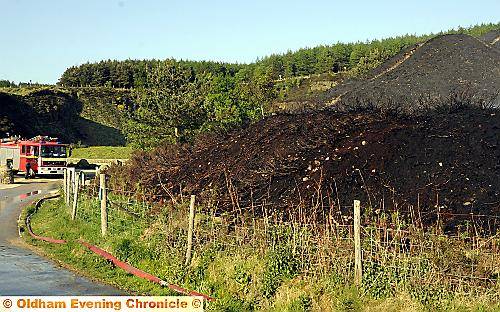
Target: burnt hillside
[(419, 136), (492, 38), (447, 68)]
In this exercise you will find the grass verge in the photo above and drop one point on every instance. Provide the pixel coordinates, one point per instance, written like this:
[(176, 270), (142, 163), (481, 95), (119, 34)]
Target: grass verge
[(243, 274)]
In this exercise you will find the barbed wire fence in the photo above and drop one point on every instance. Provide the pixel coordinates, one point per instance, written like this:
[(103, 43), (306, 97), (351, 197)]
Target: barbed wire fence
[(388, 254)]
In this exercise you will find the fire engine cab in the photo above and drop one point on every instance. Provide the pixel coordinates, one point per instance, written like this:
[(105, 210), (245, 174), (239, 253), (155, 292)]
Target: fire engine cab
[(45, 155)]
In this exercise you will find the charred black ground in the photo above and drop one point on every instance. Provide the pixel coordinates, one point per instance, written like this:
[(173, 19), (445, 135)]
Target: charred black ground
[(443, 69), (447, 161)]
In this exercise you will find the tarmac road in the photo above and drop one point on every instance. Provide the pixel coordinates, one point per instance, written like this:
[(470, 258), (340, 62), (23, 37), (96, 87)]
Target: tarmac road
[(22, 272)]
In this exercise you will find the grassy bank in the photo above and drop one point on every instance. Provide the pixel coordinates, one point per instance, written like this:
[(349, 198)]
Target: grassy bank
[(259, 265)]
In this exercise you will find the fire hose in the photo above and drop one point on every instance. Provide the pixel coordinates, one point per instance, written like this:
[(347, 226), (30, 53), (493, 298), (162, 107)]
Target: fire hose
[(123, 265)]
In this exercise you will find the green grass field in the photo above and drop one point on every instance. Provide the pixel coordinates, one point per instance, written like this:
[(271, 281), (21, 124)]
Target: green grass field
[(102, 152)]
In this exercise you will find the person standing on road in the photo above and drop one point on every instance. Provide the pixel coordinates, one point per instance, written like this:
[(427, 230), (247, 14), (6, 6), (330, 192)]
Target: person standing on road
[(28, 170)]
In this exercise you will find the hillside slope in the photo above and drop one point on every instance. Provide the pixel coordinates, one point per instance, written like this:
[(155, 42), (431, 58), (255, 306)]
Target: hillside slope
[(90, 116), (492, 38), (42, 111), (446, 68)]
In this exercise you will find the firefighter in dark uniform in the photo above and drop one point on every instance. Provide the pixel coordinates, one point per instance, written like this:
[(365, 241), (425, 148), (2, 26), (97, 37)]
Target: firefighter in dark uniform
[(28, 170)]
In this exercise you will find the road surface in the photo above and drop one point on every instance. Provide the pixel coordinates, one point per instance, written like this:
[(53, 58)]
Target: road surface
[(23, 272)]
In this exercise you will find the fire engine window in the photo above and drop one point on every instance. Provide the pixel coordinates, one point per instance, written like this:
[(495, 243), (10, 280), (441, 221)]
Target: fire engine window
[(35, 150), (53, 151), (23, 149)]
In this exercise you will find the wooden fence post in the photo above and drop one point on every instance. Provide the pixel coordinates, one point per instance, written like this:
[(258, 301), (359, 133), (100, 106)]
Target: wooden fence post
[(65, 171), (190, 229), (104, 200), (75, 195), (358, 273), (69, 180)]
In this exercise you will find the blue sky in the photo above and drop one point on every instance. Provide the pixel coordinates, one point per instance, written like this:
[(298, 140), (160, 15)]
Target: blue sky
[(40, 39)]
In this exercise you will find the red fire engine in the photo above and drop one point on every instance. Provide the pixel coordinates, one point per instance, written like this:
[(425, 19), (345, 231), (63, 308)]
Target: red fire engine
[(45, 155)]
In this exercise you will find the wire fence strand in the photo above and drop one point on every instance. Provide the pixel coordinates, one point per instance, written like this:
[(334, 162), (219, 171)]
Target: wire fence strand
[(388, 248)]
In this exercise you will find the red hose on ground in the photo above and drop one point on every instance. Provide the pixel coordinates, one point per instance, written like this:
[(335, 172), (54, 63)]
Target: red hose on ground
[(44, 238), (28, 224), (125, 266), (139, 273)]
